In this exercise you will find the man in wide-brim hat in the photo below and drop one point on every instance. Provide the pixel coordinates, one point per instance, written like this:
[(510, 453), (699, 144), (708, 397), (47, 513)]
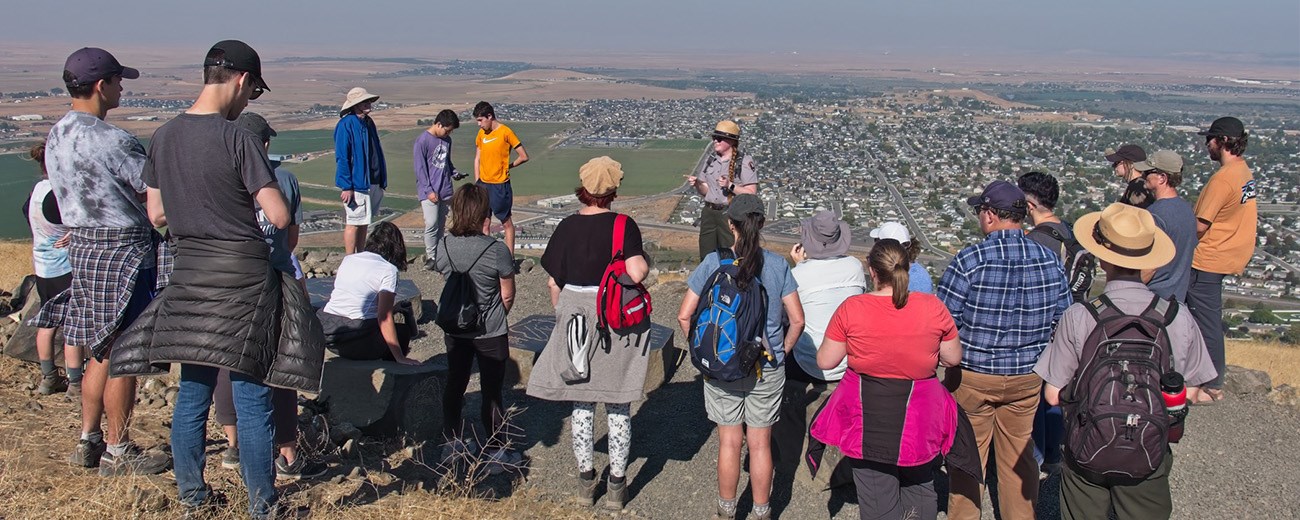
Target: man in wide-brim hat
[(361, 174), (1127, 241)]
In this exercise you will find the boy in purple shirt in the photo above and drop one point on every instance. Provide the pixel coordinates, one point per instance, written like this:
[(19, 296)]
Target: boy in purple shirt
[(433, 175)]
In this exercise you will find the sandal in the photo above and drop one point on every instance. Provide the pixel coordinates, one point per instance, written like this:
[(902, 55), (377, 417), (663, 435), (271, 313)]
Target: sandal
[(1209, 396)]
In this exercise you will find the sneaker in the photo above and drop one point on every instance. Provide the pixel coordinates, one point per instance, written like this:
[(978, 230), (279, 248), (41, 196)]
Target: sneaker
[(586, 491), (230, 458), (300, 469), (87, 453), (73, 393), (503, 460), (616, 496), (457, 451), (723, 514), (52, 384), (765, 515), (133, 461)]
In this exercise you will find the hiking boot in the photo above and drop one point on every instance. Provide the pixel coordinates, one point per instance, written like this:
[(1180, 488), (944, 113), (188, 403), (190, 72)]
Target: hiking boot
[(616, 496), (73, 394), (133, 461), (52, 384), (429, 266), (87, 453), (586, 491), (503, 460), (230, 458), (301, 468)]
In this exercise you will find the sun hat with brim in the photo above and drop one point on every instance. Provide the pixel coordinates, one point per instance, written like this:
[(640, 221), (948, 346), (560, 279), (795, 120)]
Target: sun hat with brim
[(356, 97), (727, 130), (824, 236), (1125, 236)]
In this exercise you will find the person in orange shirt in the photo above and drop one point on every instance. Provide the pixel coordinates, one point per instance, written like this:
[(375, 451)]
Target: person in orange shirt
[(1226, 215), (492, 165)]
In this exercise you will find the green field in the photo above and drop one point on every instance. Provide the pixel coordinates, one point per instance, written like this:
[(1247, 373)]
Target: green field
[(548, 172), (18, 174), (291, 142)]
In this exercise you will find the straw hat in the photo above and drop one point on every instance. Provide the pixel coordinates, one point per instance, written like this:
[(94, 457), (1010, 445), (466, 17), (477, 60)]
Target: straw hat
[(356, 97), (1126, 236), (727, 130)]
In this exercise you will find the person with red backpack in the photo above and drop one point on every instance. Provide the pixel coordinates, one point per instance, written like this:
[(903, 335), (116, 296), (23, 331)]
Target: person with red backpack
[(589, 357), (1123, 366)]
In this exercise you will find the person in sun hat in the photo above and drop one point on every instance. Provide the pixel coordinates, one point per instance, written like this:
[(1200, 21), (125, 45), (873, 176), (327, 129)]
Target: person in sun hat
[(918, 278), (1126, 241), (1226, 218), (1005, 295), (361, 173), (727, 172)]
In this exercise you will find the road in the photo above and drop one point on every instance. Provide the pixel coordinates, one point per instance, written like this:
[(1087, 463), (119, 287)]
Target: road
[(907, 213)]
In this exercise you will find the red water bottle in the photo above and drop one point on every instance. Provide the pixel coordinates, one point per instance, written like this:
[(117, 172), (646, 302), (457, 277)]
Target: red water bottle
[(1175, 395)]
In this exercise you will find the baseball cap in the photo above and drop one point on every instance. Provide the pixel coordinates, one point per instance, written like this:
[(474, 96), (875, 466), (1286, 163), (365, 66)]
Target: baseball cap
[(743, 205), (90, 64), (1001, 195), (1128, 152), (239, 56), (255, 123), (601, 176), (1166, 161), (892, 230), (1225, 127)]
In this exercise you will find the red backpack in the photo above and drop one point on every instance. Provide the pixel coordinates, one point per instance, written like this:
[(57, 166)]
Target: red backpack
[(621, 304)]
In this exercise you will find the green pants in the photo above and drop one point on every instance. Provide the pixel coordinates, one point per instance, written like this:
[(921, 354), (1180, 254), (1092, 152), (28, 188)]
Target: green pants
[(1150, 499), (714, 232)]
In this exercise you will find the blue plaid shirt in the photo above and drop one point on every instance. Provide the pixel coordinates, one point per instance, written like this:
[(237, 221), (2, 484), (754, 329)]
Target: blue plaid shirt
[(1005, 294)]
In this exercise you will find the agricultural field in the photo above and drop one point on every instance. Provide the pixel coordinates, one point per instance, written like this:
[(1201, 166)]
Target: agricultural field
[(18, 174)]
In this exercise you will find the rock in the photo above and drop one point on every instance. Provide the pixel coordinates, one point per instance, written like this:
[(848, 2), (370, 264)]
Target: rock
[(381, 478), (651, 278), (154, 385), (383, 398), (1245, 381), (171, 393), (344, 431), (148, 500), (1285, 395), (349, 447), (526, 265), (338, 479), (356, 473), (158, 403), (34, 406)]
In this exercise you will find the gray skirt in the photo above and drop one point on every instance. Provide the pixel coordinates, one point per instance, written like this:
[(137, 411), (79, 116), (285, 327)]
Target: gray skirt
[(617, 374)]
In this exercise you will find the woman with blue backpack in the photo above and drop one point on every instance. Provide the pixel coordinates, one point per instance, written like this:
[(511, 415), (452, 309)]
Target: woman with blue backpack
[(590, 359), (732, 316)]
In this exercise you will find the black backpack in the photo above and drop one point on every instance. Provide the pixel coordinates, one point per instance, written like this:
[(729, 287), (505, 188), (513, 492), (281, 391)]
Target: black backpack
[(1080, 265), (1116, 424), (458, 307)]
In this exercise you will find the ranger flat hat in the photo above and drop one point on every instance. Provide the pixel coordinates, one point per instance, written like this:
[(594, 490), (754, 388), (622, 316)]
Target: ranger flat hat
[(727, 129), (1126, 236)]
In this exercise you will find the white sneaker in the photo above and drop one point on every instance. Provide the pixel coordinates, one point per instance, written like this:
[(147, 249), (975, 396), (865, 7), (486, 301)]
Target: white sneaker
[(502, 460)]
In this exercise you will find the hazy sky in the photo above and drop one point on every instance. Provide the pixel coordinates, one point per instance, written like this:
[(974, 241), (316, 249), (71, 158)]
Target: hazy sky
[(1121, 27)]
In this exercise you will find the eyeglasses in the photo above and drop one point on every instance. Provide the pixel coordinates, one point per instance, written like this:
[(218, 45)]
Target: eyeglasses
[(257, 93), (717, 138)]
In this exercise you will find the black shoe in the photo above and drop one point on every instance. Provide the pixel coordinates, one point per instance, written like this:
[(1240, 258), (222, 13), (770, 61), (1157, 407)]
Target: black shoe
[(300, 469), (133, 461), (230, 458), (87, 453)]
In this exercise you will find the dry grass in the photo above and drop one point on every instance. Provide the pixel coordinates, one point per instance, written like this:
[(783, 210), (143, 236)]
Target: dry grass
[(1282, 362), (15, 263)]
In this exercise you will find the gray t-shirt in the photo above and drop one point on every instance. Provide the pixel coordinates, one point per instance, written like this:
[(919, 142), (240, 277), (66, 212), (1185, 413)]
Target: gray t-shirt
[(716, 171), (1175, 216), (281, 256), (95, 168), (208, 170), (496, 263)]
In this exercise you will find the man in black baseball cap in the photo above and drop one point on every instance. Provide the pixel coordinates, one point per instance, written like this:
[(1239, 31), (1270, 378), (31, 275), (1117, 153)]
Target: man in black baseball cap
[(237, 55), (1122, 160), (90, 64)]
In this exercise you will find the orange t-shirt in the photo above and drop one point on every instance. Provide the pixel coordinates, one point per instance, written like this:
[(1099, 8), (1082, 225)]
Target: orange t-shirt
[(892, 343), (1228, 204), (494, 154)]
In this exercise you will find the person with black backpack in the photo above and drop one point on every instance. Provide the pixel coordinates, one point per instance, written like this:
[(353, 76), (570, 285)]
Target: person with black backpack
[(743, 379), (479, 291), (588, 360), (1123, 366)]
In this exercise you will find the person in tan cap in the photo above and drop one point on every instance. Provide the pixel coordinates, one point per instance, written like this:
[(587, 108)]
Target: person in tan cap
[(361, 175), (1126, 241), (1226, 217), (726, 173), (1163, 173), (575, 259)]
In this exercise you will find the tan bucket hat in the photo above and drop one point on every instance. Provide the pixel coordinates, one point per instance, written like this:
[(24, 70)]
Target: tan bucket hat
[(1126, 236), (601, 176), (356, 97), (727, 129)]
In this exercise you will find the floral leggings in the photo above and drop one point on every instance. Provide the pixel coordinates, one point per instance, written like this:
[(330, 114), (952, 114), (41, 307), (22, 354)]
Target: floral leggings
[(620, 435)]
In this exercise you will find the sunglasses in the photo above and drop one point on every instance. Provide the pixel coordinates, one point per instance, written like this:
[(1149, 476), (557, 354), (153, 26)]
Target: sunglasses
[(257, 93)]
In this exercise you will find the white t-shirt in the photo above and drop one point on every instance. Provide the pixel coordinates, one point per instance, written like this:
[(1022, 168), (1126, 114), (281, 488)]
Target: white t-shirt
[(47, 260), (361, 277), (823, 286)]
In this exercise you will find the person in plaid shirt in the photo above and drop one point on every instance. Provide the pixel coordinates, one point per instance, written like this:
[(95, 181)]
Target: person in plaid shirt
[(1005, 294)]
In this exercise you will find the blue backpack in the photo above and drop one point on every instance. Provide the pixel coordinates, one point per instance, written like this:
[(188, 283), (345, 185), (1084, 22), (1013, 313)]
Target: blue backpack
[(728, 333)]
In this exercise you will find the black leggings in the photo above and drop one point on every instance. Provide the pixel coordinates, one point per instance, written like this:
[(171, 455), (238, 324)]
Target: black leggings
[(492, 354)]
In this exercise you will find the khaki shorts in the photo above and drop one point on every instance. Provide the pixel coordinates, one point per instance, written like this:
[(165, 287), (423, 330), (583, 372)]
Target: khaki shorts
[(752, 401), (364, 207)]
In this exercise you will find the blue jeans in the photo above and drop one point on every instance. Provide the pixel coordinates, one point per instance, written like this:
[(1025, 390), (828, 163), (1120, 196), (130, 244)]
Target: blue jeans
[(256, 449), (1049, 433)]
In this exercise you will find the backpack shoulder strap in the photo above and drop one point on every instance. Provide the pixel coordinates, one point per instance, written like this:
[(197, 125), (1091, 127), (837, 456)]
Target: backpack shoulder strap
[(480, 255), (450, 262), (724, 253), (620, 224)]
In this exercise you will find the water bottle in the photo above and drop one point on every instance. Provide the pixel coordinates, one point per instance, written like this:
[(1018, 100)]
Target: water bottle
[(1175, 395)]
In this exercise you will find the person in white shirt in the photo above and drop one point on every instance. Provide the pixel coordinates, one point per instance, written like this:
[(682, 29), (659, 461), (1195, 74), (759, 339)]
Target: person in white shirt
[(359, 319)]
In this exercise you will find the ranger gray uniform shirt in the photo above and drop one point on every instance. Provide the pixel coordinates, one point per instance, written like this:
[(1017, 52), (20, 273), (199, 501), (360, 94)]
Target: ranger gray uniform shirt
[(1059, 361), (714, 175)]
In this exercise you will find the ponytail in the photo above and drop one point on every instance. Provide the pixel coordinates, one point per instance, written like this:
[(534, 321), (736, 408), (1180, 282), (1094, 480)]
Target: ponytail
[(749, 254), (888, 260)]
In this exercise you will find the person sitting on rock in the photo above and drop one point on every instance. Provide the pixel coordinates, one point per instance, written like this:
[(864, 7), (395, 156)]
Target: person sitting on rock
[(358, 320)]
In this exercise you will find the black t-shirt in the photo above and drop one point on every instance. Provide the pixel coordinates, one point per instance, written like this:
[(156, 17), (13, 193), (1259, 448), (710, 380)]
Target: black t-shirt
[(579, 248), (208, 170), (1137, 194)]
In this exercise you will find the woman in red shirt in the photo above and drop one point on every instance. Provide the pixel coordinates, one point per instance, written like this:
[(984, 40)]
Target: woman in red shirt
[(894, 341)]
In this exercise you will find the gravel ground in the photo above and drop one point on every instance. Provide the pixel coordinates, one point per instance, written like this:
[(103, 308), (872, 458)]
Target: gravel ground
[(1224, 468)]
